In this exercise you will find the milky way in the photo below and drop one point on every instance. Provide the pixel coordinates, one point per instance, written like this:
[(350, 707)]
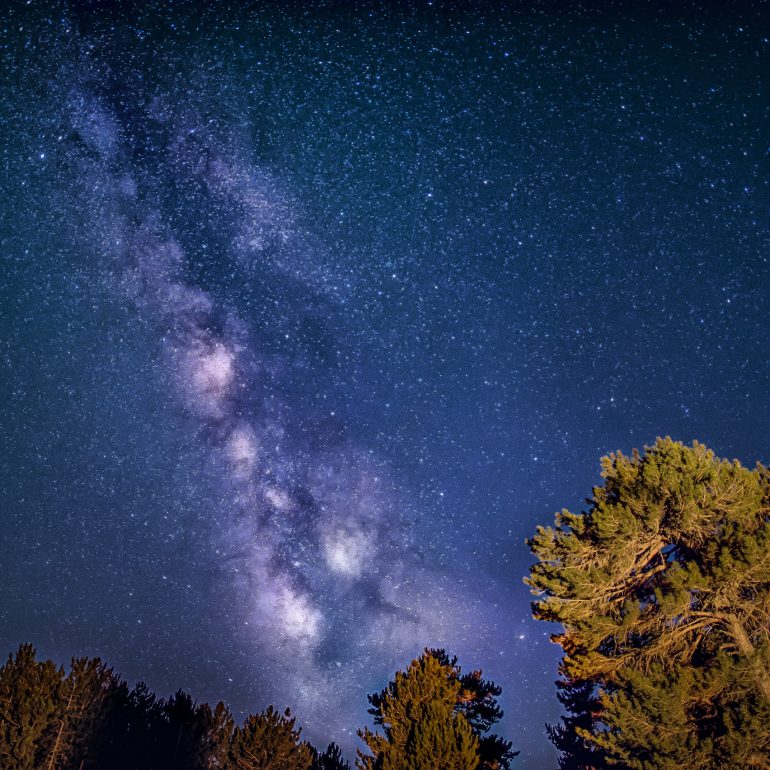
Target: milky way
[(311, 542), (310, 315)]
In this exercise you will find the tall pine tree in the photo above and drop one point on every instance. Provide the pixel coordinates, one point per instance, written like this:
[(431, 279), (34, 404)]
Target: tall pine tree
[(662, 589)]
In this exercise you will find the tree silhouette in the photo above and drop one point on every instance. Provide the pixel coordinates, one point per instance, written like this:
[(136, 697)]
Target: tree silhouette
[(331, 759)]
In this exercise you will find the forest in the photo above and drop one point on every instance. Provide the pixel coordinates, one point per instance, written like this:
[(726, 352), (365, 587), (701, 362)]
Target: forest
[(660, 592)]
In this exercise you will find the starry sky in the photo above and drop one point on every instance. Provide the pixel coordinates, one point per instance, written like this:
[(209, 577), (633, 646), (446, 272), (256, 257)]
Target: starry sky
[(311, 312)]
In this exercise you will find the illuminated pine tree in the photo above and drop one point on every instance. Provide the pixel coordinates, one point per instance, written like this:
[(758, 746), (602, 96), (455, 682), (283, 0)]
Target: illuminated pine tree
[(477, 702), (424, 727), (218, 726), (662, 589), (79, 713), (268, 741), (30, 696)]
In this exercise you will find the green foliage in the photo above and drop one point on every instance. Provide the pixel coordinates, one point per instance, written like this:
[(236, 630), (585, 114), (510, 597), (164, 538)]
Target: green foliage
[(80, 712), (268, 741), (91, 720), (662, 589), (440, 740), (477, 702), (30, 695), (432, 718)]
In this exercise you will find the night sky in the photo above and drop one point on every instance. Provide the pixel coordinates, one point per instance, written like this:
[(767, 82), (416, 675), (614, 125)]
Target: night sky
[(310, 314)]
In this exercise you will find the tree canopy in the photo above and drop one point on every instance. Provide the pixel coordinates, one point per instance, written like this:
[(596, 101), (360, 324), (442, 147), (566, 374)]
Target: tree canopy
[(269, 741), (662, 589), (90, 719), (435, 718)]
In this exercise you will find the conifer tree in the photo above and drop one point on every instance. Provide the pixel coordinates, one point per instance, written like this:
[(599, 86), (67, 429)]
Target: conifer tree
[(477, 701), (30, 696), (268, 741), (218, 730), (331, 759), (431, 718), (79, 712), (662, 589), (185, 734), (134, 729)]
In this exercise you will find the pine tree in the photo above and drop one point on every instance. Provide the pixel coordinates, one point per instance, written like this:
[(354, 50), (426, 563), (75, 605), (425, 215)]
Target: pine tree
[(218, 731), (582, 704), (424, 725), (79, 713), (185, 734), (268, 741), (477, 701), (662, 588), (331, 759), (30, 697), (134, 730), (440, 740)]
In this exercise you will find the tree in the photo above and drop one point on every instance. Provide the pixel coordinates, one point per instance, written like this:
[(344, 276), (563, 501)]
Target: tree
[(79, 712), (91, 719), (134, 729), (477, 701), (580, 700), (331, 759), (662, 589), (268, 741), (218, 730), (189, 736), (433, 718), (30, 694)]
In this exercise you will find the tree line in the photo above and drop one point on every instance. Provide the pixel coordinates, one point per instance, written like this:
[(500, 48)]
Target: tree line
[(661, 590), (88, 718)]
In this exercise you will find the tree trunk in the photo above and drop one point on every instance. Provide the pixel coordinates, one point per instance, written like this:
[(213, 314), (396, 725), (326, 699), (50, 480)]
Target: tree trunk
[(746, 648), (57, 742)]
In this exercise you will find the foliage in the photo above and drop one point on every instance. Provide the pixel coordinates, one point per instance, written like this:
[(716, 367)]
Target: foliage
[(477, 702), (268, 741), (331, 759), (90, 719), (662, 589), (79, 712), (434, 717), (29, 699)]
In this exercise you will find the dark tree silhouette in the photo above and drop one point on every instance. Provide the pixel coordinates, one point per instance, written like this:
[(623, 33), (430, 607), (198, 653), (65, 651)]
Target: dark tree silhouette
[(331, 759)]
